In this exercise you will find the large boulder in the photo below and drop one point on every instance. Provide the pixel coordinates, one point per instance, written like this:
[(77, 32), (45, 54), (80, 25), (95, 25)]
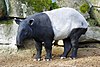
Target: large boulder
[(95, 2), (90, 39), (2, 8), (92, 35), (8, 34), (80, 5), (14, 8), (19, 9), (94, 11)]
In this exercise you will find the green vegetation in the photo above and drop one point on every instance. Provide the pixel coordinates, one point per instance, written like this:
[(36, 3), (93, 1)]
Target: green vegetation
[(2, 8), (92, 22), (84, 8), (40, 5), (54, 5), (97, 16), (6, 22)]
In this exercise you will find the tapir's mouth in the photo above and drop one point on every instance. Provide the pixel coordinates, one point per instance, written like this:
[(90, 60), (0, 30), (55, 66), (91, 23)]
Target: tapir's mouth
[(20, 46)]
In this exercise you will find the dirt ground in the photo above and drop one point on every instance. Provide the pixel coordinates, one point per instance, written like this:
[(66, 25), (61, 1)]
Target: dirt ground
[(87, 57)]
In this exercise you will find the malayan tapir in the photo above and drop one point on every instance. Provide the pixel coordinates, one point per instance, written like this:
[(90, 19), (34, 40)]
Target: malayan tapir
[(65, 24)]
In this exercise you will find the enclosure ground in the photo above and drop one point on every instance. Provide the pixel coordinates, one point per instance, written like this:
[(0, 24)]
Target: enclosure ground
[(87, 57)]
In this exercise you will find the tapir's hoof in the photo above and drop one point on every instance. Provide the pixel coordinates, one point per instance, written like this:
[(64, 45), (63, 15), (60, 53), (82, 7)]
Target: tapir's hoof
[(47, 60), (39, 59), (62, 57), (72, 58)]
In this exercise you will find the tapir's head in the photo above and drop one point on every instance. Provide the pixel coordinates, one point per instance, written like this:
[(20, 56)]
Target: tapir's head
[(24, 31)]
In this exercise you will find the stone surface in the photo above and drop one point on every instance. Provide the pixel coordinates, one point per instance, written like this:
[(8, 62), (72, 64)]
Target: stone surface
[(91, 38), (15, 8), (19, 9), (92, 35), (74, 4), (8, 49), (95, 2), (2, 8), (96, 14), (8, 33)]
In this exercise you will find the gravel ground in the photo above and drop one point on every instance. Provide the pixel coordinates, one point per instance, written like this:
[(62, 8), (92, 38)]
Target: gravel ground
[(87, 57)]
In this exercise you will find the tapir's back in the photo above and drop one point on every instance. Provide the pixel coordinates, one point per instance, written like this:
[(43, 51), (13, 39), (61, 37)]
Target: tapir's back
[(64, 20)]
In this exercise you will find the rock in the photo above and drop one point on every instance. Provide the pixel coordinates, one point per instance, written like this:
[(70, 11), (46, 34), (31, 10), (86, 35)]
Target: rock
[(96, 14), (95, 2), (8, 33), (14, 8), (90, 39), (8, 49), (94, 11), (19, 9), (92, 35), (2, 8), (76, 4)]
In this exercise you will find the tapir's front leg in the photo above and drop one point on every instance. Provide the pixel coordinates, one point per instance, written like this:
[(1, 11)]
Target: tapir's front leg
[(38, 46), (48, 48)]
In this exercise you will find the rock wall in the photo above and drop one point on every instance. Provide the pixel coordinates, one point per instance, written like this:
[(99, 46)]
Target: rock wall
[(8, 37), (19, 9), (2, 8), (95, 2), (92, 35), (76, 4), (14, 8), (8, 33), (96, 10)]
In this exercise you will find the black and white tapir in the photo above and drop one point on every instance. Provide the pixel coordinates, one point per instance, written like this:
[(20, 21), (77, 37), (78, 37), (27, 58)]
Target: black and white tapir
[(65, 24)]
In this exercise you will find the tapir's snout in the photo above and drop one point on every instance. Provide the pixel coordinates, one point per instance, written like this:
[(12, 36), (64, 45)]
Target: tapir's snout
[(19, 45)]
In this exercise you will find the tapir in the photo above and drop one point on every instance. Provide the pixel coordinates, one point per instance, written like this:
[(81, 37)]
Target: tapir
[(64, 23)]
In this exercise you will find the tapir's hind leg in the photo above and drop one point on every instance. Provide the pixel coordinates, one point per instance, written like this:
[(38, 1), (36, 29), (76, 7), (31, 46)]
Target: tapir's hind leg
[(74, 36), (67, 47)]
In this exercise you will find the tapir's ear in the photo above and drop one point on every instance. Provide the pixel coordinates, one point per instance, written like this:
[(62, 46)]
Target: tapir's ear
[(31, 21), (18, 21)]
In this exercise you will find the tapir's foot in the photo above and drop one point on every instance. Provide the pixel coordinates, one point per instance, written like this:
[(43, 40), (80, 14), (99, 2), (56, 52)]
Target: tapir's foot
[(72, 58), (37, 59), (48, 57), (47, 60), (62, 57)]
